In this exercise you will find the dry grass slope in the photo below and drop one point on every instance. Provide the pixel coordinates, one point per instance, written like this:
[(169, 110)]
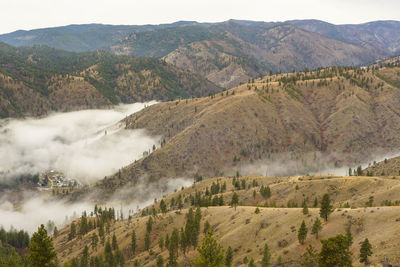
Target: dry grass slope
[(303, 122), (247, 232)]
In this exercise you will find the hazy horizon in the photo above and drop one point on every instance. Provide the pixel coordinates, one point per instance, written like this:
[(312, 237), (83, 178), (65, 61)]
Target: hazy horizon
[(28, 15)]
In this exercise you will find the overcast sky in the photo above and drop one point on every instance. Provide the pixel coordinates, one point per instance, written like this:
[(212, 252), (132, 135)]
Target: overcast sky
[(31, 14)]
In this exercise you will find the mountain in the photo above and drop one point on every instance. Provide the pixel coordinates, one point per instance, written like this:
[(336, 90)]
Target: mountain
[(79, 38), (380, 36), (229, 53), (283, 124), (260, 218), (34, 81), (160, 42), (233, 57)]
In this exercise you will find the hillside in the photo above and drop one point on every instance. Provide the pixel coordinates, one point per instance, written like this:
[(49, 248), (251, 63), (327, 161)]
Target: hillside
[(34, 81), (247, 232), (233, 57), (387, 167), (290, 124)]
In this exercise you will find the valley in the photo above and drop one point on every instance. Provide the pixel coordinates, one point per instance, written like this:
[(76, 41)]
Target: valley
[(206, 144), (308, 122)]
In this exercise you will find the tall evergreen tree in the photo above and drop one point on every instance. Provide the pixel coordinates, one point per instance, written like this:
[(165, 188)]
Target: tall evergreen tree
[(349, 235), (160, 261), (266, 260), (42, 253), (326, 207), (229, 257), (316, 228), (133, 241), (163, 206), (147, 241), (211, 253), (365, 251), (235, 200), (173, 248), (183, 241), (85, 257), (302, 234), (72, 232), (114, 242), (305, 209), (108, 254)]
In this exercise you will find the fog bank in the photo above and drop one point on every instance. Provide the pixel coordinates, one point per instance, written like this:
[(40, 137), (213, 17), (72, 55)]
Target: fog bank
[(85, 145), (35, 208)]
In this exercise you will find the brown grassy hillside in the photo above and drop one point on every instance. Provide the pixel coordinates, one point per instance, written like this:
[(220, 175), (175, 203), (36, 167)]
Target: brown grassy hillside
[(247, 232), (279, 125)]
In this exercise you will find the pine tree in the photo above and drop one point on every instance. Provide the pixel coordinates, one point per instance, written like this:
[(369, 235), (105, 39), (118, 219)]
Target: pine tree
[(316, 228), (133, 242), (190, 230), (85, 257), (163, 206), (315, 202), (119, 258), (197, 220), (251, 263), (335, 252), (210, 253), (305, 209), (326, 207), (42, 253), (302, 234), (167, 241), (235, 200), (160, 261), (349, 236), (72, 232), (149, 225), (229, 257), (310, 257), (147, 241), (183, 241), (95, 240), (114, 242), (365, 251), (266, 260), (173, 248), (370, 201), (108, 253)]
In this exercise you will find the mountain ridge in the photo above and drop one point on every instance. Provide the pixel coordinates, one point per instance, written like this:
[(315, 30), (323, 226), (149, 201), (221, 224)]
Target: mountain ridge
[(37, 80)]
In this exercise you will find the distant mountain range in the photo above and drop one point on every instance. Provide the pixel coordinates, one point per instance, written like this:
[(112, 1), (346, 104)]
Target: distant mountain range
[(230, 52)]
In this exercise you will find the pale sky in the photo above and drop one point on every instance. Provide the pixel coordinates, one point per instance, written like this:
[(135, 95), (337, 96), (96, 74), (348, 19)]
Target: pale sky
[(32, 14)]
